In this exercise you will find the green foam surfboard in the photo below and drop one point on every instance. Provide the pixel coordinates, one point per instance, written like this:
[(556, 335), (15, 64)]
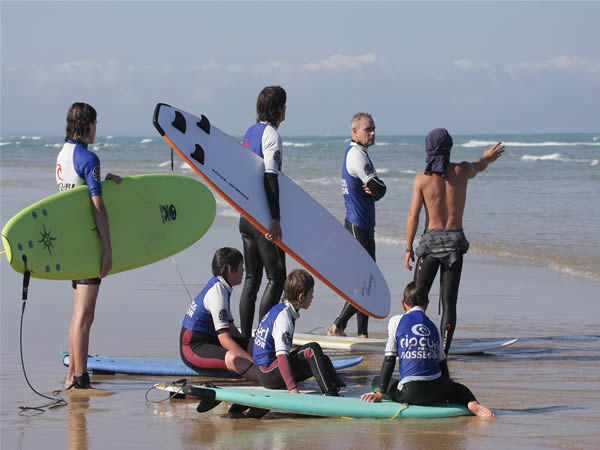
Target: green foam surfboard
[(151, 217)]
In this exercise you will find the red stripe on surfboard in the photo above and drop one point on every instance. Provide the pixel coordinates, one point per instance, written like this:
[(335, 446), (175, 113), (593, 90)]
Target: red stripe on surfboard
[(280, 244)]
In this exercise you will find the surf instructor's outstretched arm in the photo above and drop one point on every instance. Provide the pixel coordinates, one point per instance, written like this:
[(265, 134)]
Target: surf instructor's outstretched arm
[(259, 248), (76, 166)]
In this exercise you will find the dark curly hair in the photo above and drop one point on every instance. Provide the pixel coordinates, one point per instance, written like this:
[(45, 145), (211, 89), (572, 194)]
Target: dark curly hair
[(79, 119), (269, 103)]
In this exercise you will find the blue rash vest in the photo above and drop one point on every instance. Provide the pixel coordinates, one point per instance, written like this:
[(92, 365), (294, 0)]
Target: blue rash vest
[(266, 345), (264, 140), (202, 316), (253, 138), (76, 166), (418, 347), (360, 206)]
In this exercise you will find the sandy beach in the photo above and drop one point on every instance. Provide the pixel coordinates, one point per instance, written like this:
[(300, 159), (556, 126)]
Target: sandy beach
[(544, 389)]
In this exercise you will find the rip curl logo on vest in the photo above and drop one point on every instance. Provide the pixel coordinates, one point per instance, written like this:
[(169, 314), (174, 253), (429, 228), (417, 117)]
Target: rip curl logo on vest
[(223, 316), (286, 338), (245, 143), (97, 173), (59, 172), (421, 330)]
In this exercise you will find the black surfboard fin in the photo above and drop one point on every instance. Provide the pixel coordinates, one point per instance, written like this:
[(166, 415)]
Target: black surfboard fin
[(204, 124), (179, 122), (252, 412), (256, 413), (198, 154), (206, 405)]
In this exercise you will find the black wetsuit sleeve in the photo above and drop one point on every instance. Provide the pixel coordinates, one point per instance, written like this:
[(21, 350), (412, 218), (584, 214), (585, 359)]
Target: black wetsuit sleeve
[(377, 188), (272, 191), (387, 369)]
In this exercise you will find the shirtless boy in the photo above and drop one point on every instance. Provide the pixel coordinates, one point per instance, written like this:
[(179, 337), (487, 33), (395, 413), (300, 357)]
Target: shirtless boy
[(442, 189)]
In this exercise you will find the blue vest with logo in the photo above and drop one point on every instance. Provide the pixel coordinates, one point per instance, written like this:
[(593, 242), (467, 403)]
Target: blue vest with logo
[(253, 138), (360, 206), (418, 345), (198, 318), (264, 344)]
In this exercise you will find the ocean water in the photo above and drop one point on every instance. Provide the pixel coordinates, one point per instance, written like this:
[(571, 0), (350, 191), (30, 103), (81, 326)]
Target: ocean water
[(539, 202)]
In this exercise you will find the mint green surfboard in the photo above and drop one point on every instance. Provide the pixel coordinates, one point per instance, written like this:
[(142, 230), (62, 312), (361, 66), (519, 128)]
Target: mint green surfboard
[(151, 217), (314, 404)]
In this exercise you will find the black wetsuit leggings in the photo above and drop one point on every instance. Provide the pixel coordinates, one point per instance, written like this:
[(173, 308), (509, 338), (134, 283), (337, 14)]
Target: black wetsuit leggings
[(425, 272), (305, 362), (367, 240), (259, 253), (440, 390)]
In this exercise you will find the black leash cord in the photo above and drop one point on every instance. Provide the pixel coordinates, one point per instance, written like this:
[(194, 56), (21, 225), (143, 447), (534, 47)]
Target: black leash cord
[(56, 401)]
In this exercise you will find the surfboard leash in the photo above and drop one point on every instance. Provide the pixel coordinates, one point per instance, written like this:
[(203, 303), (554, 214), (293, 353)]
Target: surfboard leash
[(179, 384), (56, 401), (181, 278)]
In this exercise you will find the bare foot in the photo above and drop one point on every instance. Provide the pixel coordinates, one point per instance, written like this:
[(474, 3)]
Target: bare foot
[(363, 336), (335, 331), (479, 410)]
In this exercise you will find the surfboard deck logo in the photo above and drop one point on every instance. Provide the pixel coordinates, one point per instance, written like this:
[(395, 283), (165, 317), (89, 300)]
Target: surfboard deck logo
[(311, 235), (151, 217)]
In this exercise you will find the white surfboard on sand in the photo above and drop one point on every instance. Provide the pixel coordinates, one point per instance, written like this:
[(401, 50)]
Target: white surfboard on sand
[(311, 235), (357, 344)]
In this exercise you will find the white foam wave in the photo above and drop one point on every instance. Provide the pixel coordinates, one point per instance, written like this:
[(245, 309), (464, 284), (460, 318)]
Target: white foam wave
[(476, 143), (146, 141), (109, 137), (53, 145), (33, 138), (382, 143), (385, 240), (230, 212), (165, 163), (320, 180), (558, 157), (297, 144), (566, 270), (4, 143)]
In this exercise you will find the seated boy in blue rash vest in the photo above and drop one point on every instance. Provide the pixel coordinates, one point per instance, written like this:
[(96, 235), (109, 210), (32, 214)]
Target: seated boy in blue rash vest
[(277, 367), (415, 340), (209, 338)]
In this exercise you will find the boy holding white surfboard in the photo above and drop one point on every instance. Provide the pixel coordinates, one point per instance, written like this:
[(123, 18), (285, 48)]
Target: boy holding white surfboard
[(259, 249), (277, 366), (415, 341)]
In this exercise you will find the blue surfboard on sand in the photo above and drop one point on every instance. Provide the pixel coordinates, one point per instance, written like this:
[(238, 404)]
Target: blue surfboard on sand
[(110, 365)]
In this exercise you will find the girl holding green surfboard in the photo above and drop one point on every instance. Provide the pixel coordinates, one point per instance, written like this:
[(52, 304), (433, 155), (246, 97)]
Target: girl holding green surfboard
[(76, 166)]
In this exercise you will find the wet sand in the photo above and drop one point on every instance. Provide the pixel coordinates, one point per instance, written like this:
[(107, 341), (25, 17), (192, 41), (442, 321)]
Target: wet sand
[(545, 389)]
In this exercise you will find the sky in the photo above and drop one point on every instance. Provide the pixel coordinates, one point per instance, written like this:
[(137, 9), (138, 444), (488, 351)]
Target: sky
[(472, 67)]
